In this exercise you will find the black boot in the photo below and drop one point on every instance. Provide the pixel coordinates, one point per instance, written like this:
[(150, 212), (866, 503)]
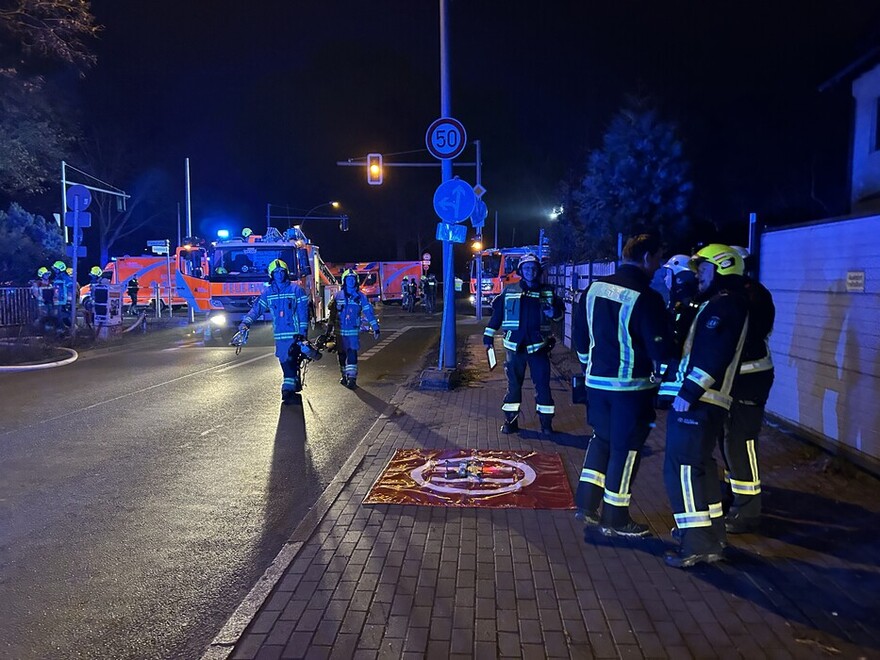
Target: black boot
[(511, 423), (352, 383), (343, 380), (546, 423)]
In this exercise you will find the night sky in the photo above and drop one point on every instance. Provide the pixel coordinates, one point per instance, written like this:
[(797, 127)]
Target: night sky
[(265, 98)]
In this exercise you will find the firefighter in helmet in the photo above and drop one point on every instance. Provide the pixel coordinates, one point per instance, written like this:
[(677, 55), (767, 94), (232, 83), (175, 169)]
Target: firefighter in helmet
[(699, 386), (522, 312), (348, 306), (751, 389), (63, 284), (43, 291), (288, 304)]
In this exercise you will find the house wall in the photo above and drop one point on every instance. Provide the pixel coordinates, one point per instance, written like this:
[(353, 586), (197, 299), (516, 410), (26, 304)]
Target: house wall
[(865, 155), (827, 332)]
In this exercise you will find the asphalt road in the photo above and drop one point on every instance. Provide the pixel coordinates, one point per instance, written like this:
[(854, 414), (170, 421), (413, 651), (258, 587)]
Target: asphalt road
[(144, 490)]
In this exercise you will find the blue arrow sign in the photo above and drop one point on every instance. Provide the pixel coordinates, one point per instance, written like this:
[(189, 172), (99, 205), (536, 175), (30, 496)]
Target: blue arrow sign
[(454, 200)]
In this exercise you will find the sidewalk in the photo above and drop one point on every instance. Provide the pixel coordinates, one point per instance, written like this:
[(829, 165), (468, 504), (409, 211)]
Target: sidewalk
[(393, 581)]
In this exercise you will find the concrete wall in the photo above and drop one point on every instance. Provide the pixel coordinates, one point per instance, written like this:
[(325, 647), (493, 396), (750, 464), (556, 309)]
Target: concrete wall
[(865, 156), (826, 341)]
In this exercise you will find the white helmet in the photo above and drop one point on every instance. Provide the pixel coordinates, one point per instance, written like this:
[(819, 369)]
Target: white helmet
[(677, 263)]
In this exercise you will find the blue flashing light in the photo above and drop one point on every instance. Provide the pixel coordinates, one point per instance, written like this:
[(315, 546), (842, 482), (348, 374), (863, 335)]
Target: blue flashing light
[(222, 233)]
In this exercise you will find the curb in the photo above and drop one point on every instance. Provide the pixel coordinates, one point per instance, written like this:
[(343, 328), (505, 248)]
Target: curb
[(224, 642)]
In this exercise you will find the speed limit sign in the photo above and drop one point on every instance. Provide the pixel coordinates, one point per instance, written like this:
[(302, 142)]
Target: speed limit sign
[(446, 138)]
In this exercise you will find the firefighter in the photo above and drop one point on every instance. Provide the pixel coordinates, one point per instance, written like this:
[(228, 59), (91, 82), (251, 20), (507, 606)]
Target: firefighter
[(699, 387), (429, 289), (95, 275), (413, 293), (621, 333), (751, 388), (523, 312), (44, 292), (288, 304), (63, 285), (346, 309), (132, 291)]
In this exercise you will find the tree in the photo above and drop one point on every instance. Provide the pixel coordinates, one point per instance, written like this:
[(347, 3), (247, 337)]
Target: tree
[(27, 241), (639, 180), (35, 132)]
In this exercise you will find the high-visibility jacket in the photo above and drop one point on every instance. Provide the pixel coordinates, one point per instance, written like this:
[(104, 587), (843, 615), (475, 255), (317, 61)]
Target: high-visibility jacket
[(712, 348), (345, 312), (518, 313), (755, 376), (63, 284), (289, 306), (621, 330)]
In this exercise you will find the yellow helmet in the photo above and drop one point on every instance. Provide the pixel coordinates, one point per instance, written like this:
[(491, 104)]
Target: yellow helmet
[(277, 263), (96, 271), (726, 260), (348, 272), (69, 270), (42, 270), (220, 270), (60, 266), (247, 231)]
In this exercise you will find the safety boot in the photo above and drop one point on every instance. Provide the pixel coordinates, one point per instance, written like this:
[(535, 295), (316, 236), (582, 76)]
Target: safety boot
[(511, 423), (546, 423), (352, 383), (343, 381)]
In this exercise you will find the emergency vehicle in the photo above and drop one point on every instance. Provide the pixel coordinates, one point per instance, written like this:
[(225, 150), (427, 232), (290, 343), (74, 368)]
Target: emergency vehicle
[(150, 270), (499, 270), (381, 280), (221, 279)]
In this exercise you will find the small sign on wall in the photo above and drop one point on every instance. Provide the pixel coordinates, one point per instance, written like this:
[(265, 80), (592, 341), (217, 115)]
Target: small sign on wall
[(855, 281)]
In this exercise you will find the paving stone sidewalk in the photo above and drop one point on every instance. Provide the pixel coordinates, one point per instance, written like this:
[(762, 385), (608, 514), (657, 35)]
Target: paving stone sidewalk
[(389, 581)]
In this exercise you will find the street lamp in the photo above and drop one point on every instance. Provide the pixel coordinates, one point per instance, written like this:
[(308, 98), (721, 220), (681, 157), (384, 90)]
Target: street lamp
[(332, 204), (556, 212)]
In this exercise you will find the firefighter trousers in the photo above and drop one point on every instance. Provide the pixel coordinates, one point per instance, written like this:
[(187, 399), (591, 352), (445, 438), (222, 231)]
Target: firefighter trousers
[(621, 423), (740, 451), (515, 370), (348, 358), (291, 382), (691, 477)]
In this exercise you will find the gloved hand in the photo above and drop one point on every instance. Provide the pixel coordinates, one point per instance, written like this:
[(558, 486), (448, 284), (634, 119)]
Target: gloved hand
[(243, 326), (376, 333), (488, 342)]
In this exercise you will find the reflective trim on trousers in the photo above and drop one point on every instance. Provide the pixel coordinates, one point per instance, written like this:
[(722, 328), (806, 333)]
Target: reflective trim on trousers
[(510, 407), (624, 497), (715, 510), (689, 520), (545, 410), (745, 487), (593, 477)]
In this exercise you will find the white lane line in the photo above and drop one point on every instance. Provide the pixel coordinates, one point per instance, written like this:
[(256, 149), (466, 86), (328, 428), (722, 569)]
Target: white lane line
[(228, 367), (366, 355)]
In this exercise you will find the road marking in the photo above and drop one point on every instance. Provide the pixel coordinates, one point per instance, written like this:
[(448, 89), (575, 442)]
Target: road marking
[(366, 355), (228, 367)]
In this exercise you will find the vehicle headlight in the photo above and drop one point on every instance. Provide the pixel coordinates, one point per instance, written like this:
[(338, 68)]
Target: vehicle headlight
[(219, 319), (473, 299)]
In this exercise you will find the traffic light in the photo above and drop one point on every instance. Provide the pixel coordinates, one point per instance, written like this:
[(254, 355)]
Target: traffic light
[(477, 245), (374, 169)]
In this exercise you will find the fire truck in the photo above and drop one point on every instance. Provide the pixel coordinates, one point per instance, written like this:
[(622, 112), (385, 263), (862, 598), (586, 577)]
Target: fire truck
[(220, 280), (499, 270)]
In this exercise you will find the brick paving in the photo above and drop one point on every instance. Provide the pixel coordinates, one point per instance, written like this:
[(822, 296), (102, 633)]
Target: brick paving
[(390, 581)]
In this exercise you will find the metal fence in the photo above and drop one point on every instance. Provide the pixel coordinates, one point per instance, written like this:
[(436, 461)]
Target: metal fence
[(569, 280), (17, 306)]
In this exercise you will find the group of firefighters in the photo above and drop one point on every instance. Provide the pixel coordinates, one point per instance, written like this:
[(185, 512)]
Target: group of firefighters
[(55, 290), (704, 356), (410, 289)]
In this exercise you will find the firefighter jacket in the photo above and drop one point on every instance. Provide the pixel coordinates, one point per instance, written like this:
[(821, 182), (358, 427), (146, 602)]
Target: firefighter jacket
[(712, 348), (518, 313), (756, 365), (289, 306), (621, 330), (345, 312), (63, 284)]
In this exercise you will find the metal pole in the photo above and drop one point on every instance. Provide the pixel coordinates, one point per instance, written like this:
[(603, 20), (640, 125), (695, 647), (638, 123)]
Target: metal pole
[(479, 286), (189, 226), (268, 216), (192, 312), (168, 267), (179, 237), (64, 198), (75, 243), (495, 245), (447, 334)]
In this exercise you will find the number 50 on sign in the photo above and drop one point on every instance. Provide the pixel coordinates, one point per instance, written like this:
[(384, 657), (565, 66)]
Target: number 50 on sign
[(445, 138)]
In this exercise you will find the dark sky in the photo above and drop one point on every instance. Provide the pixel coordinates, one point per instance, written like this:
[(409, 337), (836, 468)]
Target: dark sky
[(264, 98)]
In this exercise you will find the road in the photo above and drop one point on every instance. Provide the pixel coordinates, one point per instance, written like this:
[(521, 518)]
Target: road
[(144, 490)]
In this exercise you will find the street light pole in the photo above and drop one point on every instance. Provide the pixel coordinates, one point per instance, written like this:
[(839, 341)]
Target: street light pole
[(334, 204)]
